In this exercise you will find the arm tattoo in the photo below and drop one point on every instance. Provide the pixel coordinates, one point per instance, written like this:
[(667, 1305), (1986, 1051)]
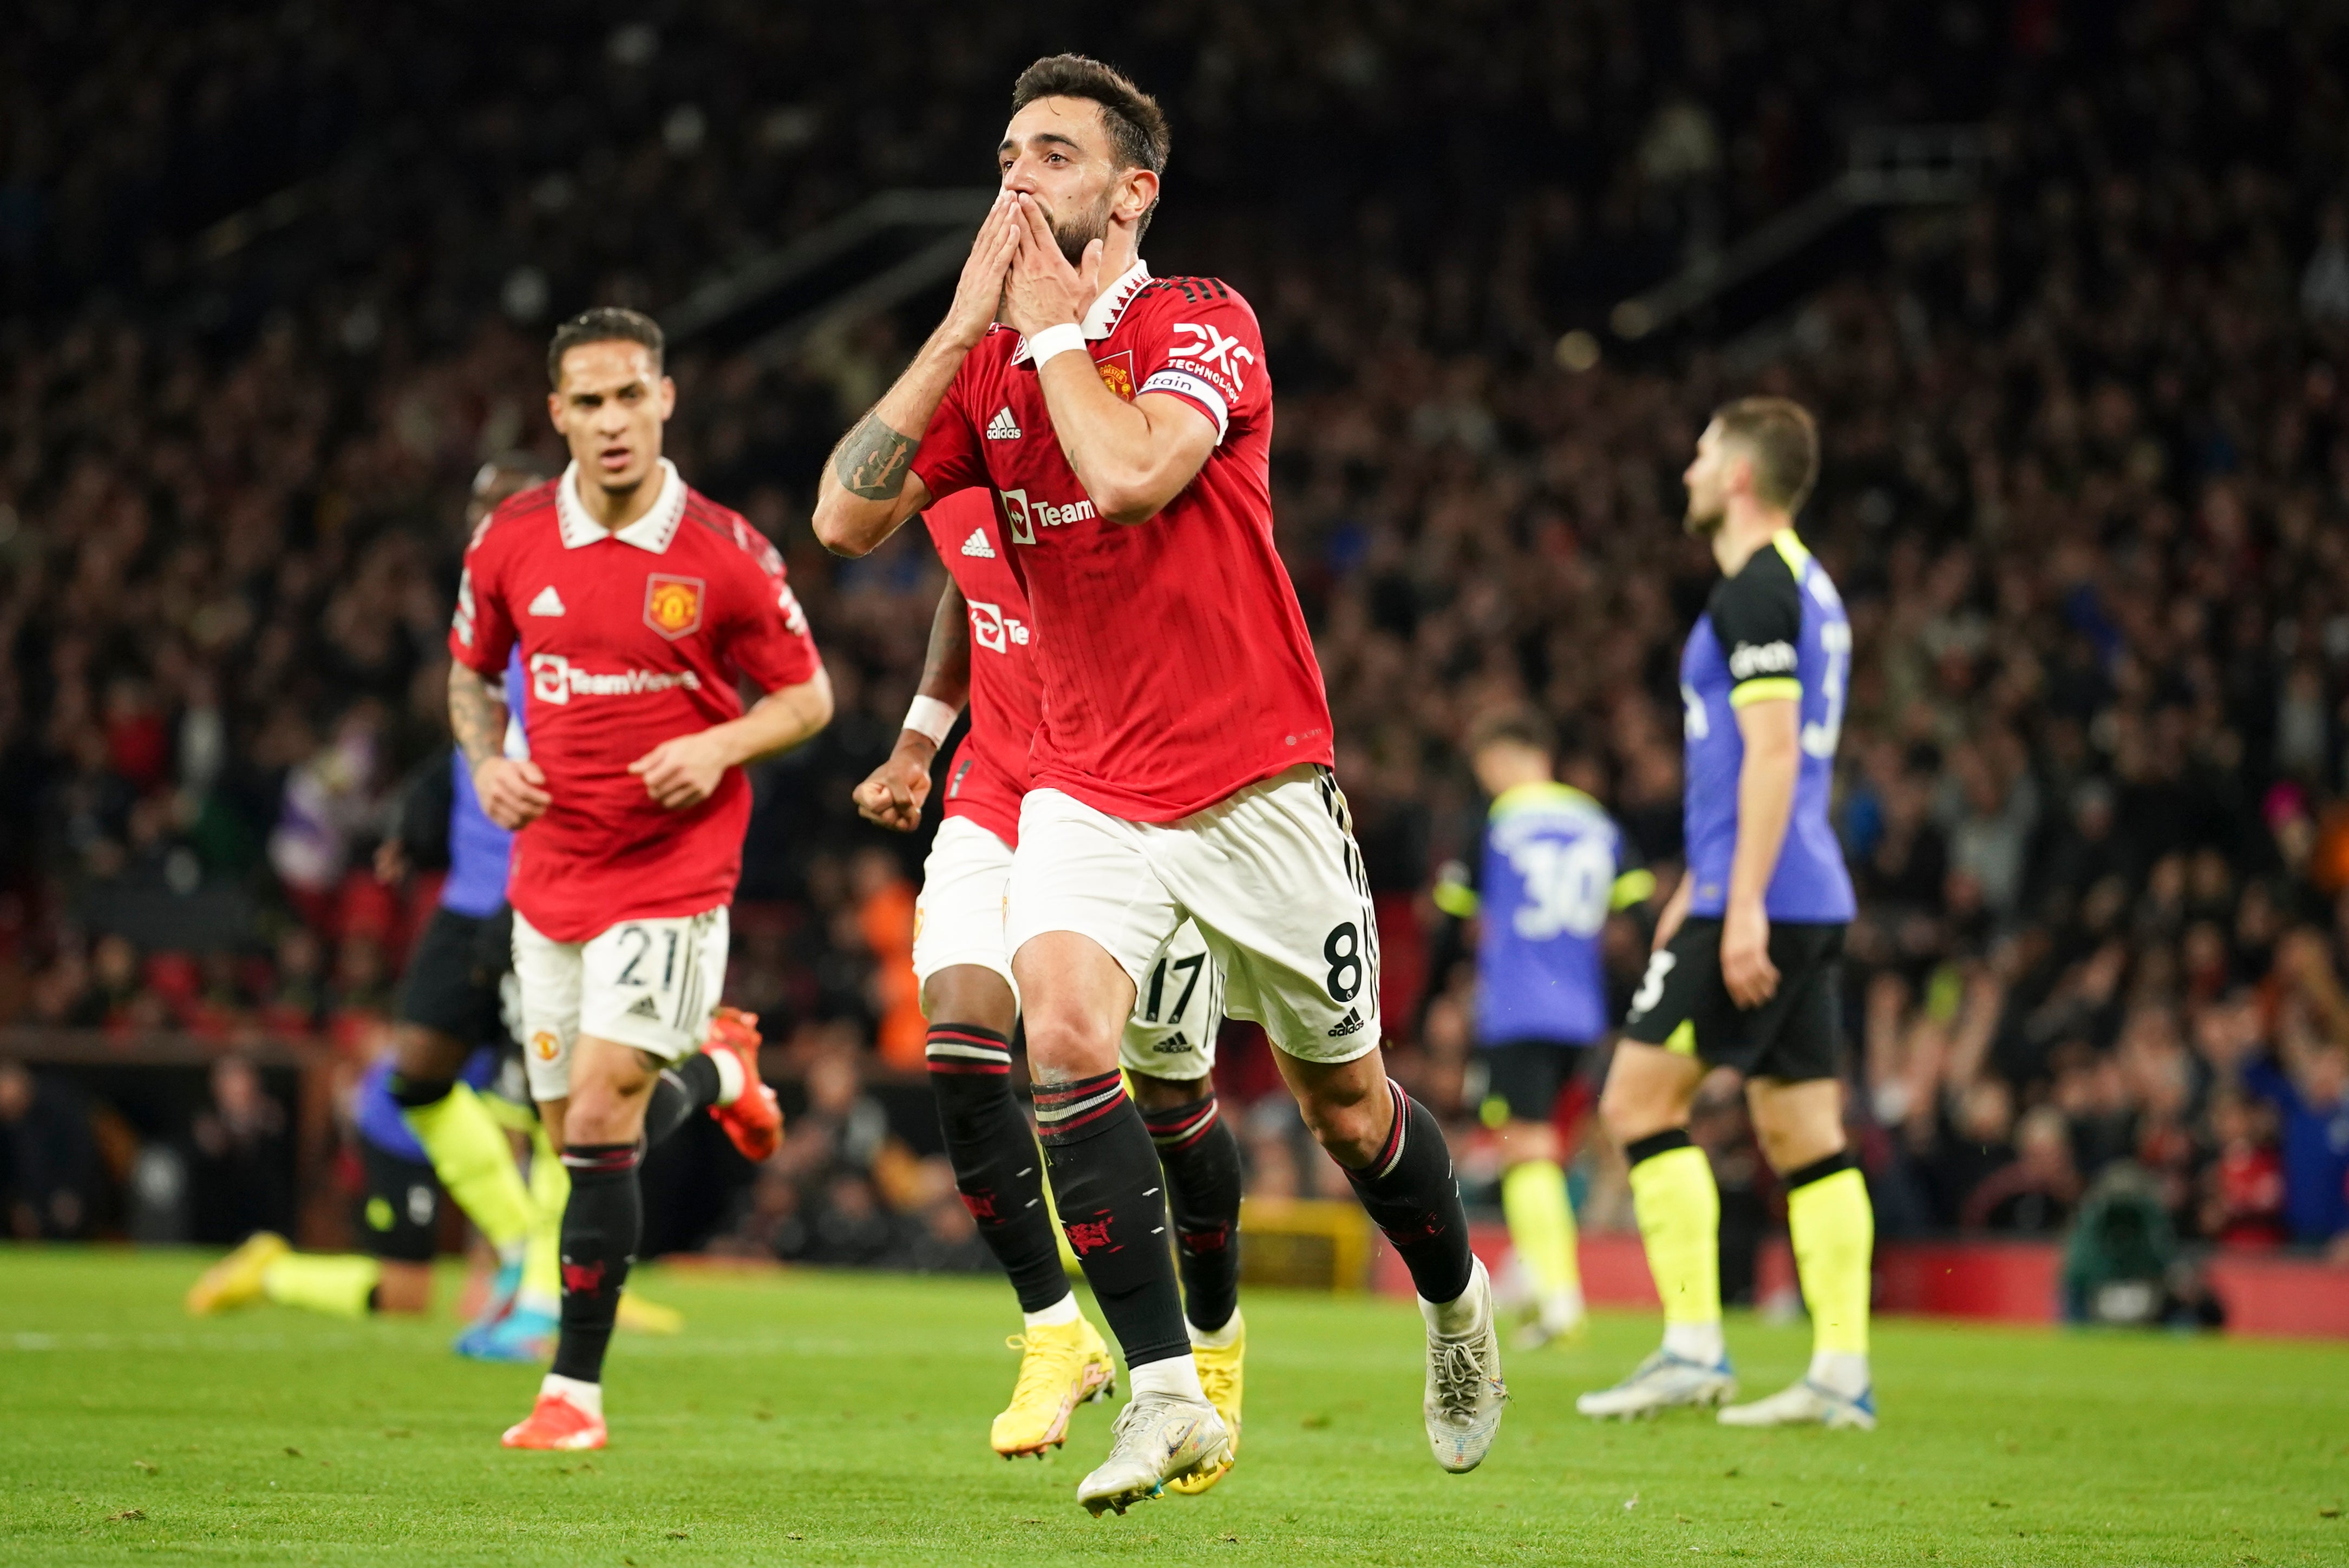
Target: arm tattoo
[(946, 671), (476, 719), (872, 462)]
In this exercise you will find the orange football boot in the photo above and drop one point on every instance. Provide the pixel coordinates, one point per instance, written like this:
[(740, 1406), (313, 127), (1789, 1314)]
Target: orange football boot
[(556, 1423), (754, 1121)]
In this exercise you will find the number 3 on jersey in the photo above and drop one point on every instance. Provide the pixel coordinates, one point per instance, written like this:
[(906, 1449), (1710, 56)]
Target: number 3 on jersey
[(1652, 984), (1819, 738)]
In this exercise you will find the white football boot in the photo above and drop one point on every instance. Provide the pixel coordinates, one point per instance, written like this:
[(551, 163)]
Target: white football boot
[(1465, 1390), (1156, 1439), (1661, 1383), (1806, 1404)]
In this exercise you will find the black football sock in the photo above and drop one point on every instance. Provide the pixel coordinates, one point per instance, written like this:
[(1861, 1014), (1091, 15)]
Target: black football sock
[(996, 1169), (1202, 1160), (601, 1224), (681, 1090), (1107, 1183), (1414, 1200)]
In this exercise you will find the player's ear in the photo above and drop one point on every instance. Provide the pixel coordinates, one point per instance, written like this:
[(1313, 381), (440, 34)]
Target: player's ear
[(554, 410), (1137, 188), (667, 396)]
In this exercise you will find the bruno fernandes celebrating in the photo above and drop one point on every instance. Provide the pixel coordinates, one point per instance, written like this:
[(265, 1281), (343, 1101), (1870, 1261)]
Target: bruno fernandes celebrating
[(637, 605), (1124, 424), (982, 647)]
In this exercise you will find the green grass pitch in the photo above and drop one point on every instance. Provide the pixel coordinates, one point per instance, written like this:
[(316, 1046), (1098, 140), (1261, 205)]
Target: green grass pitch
[(829, 1419)]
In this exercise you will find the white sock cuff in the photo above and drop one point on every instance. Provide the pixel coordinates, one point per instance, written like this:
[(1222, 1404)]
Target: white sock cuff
[(1842, 1372), (1177, 1377), (1465, 1313), (1059, 1315), (729, 1075), (1215, 1338), (1698, 1342), (587, 1398)]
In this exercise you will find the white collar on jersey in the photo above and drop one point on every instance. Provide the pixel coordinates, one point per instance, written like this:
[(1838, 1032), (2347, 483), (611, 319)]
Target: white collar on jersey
[(1101, 317), (650, 532)]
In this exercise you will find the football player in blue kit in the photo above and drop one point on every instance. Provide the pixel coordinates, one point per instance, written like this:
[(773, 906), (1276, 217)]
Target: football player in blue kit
[(1553, 867), (1746, 972)]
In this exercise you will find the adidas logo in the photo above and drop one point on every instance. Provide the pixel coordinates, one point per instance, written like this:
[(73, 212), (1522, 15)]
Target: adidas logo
[(1348, 1025), (548, 603), (1003, 427), (644, 1007), (976, 545)]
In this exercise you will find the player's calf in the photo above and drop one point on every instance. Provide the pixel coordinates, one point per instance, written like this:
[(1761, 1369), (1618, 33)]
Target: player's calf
[(1201, 1162), (998, 1170)]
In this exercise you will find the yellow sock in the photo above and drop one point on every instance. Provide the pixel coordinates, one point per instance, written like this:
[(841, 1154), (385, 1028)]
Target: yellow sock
[(549, 1189), (1834, 1231), (1541, 1224), (337, 1283), (1680, 1220), (469, 1154)]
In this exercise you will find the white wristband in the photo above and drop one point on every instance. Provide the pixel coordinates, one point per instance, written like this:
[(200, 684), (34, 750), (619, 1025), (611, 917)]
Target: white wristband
[(932, 717), (1066, 338)]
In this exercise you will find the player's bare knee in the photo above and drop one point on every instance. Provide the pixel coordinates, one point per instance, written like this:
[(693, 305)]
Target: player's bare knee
[(1527, 1140), (1631, 1111), (1348, 1120), (1065, 1043), (423, 1055), (403, 1287), (1164, 1094), (970, 994)]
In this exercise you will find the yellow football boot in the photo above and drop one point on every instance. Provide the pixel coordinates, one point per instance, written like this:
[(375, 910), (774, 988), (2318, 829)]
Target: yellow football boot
[(1221, 1374), (1060, 1366), (235, 1280), (639, 1315)]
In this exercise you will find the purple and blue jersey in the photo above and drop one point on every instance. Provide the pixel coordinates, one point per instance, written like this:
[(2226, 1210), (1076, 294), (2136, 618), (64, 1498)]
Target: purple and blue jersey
[(1552, 872), (1777, 631), (479, 849)]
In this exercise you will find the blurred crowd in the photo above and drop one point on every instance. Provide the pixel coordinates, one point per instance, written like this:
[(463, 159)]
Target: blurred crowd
[(273, 289)]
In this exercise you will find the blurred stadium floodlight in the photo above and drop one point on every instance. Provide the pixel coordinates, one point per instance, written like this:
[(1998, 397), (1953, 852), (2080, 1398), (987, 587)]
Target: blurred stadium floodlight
[(817, 288), (1920, 165)]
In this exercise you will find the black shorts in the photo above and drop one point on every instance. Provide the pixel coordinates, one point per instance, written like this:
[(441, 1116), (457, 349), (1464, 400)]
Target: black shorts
[(1523, 1079), (400, 1215), (454, 976), (1797, 1035)]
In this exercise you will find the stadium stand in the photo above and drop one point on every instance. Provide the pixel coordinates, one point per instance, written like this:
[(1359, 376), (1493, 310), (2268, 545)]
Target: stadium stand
[(275, 288)]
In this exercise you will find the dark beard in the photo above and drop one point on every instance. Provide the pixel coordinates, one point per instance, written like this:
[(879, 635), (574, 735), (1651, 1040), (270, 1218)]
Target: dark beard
[(1697, 527), (1073, 238)]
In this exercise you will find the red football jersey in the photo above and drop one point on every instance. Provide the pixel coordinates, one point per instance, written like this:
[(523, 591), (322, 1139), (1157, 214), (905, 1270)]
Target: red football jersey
[(1175, 663), (628, 639), (988, 771)]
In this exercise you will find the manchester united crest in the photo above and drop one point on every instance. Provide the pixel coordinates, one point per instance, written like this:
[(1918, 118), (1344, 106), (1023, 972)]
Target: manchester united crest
[(673, 605), (1117, 373)]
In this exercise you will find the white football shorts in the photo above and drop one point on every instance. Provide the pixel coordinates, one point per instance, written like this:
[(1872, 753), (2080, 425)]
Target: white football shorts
[(1271, 877), (958, 919), (650, 983)]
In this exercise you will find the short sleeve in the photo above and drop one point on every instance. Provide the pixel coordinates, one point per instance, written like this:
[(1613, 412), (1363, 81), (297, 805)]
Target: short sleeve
[(768, 639), (1202, 346), (482, 633), (1757, 618), (949, 459)]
